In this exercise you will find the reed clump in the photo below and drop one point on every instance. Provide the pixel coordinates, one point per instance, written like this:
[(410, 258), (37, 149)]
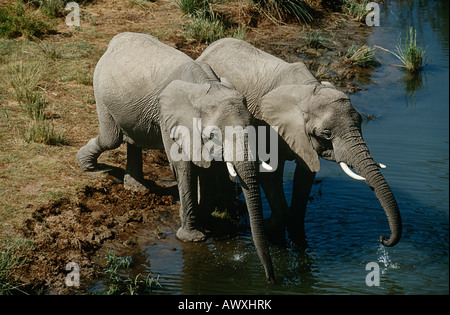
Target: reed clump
[(411, 54)]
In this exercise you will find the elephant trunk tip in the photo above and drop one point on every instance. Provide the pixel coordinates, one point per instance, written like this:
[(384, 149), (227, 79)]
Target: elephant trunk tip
[(270, 280), (389, 242)]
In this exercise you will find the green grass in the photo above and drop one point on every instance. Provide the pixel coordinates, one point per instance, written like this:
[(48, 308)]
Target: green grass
[(356, 8), (205, 30), (43, 131), (21, 19), (362, 56), (284, 10), (12, 256), (193, 7), (24, 79), (119, 284), (205, 24), (314, 39), (411, 54)]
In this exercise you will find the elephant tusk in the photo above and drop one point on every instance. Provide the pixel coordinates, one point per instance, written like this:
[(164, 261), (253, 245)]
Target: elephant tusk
[(231, 169), (266, 166), (349, 172), (380, 165)]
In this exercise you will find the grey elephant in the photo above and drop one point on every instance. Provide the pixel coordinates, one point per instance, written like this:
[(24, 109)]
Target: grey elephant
[(147, 95), (314, 120)]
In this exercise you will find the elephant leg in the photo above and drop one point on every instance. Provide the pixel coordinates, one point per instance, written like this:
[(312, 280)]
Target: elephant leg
[(272, 184), (303, 181), (206, 194), (109, 138), (134, 177), (189, 210)]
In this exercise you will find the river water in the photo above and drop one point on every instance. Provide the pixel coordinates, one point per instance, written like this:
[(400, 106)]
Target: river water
[(410, 134)]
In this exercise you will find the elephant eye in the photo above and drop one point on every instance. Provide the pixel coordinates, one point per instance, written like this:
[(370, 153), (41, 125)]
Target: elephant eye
[(326, 134)]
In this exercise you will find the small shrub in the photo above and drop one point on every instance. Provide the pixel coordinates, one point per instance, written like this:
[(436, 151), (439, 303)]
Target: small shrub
[(19, 20), (52, 8)]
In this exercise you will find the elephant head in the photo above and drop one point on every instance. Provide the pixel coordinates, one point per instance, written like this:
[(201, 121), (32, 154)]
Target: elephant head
[(194, 119), (319, 121)]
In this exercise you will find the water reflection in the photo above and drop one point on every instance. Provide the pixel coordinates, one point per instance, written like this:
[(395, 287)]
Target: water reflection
[(412, 82)]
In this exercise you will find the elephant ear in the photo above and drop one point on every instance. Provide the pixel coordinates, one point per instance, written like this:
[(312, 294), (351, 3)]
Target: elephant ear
[(281, 107), (180, 121)]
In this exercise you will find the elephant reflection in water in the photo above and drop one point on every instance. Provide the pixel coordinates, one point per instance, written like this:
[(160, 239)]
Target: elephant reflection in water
[(314, 120)]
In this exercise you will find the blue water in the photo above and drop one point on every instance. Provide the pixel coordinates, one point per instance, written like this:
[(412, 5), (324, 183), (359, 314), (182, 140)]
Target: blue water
[(344, 220)]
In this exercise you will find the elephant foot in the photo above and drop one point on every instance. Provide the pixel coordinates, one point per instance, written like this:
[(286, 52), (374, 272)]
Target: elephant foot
[(131, 183), (87, 163), (190, 235), (275, 231), (297, 238)]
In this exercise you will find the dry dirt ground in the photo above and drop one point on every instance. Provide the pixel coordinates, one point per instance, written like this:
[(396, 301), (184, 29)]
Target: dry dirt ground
[(68, 214)]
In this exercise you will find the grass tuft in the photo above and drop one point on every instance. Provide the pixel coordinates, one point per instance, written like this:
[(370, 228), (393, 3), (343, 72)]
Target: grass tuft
[(362, 56), (314, 39), (280, 11), (356, 8), (43, 131), (12, 256), (205, 24), (411, 54), (118, 284)]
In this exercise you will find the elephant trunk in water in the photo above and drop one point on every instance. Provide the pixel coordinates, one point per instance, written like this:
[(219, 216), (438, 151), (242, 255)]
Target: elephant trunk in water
[(353, 151), (247, 172)]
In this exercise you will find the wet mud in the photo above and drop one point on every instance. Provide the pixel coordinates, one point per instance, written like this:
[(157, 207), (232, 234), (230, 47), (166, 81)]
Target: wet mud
[(74, 230)]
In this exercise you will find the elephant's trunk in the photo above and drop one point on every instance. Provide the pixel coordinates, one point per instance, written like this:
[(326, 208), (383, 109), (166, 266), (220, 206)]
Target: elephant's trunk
[(353, 151), (247, 172)]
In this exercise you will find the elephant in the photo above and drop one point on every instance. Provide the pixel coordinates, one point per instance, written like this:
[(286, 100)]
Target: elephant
[(314, 120), (146, 92)]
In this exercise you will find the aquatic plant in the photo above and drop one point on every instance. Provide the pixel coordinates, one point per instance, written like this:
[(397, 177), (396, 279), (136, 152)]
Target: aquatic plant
[(362, 56), (118, 284), (409, 52)]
